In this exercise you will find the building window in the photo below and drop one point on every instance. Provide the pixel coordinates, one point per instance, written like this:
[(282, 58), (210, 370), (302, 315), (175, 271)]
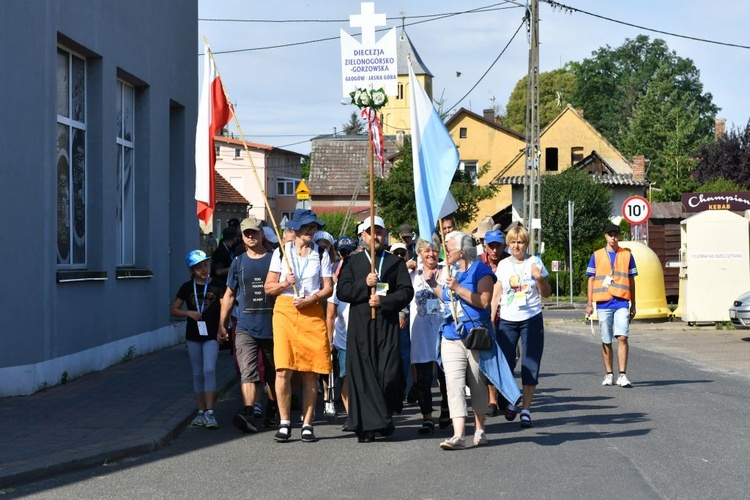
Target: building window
[(286, 186), (285, 216), (237, 153), (469, 167), (576, 154), (550, 159), (71, 159), (400, 94), (217, 151), (462, 133), (125, 204)]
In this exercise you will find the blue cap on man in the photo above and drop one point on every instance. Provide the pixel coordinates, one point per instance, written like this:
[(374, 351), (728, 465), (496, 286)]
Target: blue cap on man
[(494, 236)]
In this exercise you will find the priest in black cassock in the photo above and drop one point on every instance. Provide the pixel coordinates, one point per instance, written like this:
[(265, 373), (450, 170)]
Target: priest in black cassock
[(373, 361)]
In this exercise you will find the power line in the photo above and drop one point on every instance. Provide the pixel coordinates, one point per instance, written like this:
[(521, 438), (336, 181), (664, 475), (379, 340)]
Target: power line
[(491, 65), (430, 18), (486, 8), (617, 21)]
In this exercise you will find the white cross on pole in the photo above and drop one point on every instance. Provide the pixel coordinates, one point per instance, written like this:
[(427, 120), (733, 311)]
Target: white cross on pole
[(367, 20)]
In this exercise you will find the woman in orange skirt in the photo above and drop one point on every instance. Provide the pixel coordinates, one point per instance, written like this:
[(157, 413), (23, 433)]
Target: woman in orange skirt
[(301, 281)]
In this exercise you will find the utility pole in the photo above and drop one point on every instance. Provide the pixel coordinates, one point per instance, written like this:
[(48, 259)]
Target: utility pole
[(531, 179)]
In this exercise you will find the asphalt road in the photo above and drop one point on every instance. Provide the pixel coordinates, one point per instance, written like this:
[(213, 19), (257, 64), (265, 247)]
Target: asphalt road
[(680, 432)]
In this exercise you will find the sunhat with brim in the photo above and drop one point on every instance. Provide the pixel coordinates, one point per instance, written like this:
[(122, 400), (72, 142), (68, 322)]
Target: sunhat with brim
[(322, 235), (483, 227), (302, 217)]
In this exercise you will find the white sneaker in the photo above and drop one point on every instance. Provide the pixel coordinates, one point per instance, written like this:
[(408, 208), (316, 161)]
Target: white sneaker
[(199, 420), (622, 380), (210, 420), (608, 379), (330, 409)]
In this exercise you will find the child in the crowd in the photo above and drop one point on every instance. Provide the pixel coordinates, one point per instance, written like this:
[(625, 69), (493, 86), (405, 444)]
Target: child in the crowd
[(202, 297)]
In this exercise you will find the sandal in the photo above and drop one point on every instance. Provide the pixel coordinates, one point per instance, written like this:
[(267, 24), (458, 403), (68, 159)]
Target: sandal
[(308, 436), (480, 438), (510, 413), (454, 443), (526, 420), (282, 435), (428, 427), (445, 418)]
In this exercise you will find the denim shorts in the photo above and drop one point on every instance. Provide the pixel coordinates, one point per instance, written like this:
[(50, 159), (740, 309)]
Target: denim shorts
[(613, 323), (341, 361)]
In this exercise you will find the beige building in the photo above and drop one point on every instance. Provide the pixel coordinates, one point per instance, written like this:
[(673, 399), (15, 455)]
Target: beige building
[(481, 140), (278, 171), (568, 141)]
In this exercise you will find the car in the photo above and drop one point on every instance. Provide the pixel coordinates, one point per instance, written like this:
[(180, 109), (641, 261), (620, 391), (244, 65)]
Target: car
[(739, 313)]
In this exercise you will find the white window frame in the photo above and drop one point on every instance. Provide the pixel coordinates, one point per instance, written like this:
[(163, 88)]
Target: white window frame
[(286, 182), (473, 167), (125, 212), (72, 253)]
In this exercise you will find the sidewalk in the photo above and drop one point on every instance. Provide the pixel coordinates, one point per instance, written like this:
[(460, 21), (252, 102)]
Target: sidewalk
[(140, 406), (706, 346), (129, 409)]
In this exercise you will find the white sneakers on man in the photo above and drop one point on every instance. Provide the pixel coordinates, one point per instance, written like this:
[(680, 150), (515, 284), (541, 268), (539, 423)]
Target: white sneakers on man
[(608, 379), (622, 381)]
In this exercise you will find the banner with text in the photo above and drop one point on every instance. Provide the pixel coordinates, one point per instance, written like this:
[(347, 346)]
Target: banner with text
[(369, 66)]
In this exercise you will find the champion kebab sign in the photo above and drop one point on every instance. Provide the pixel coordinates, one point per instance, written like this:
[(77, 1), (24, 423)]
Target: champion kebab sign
[(737, 201)]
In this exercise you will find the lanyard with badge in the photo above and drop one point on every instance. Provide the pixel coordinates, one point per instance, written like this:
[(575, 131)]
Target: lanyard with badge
[(381, 288), (432, 304), (296, 266), (202, 329), (609, 278)]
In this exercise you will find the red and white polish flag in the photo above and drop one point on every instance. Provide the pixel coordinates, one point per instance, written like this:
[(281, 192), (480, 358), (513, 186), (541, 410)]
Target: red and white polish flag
[(213, 113)]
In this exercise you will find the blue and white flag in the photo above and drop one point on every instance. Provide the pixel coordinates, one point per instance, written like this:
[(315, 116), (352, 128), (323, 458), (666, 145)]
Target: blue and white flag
[(435, 160)]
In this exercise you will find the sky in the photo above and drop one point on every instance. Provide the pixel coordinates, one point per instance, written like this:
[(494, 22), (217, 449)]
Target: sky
[(285, 96)]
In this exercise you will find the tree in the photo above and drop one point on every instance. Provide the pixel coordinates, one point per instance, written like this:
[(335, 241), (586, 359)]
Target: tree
[(355, 126), (728, 157), (666, 128), (555, 90), (395, 194), (334, 222), (720, 185), (305, 168), (593, 204), (611, 84)]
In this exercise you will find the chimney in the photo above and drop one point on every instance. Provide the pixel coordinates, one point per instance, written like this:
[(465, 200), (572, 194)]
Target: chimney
[(580, 112), (639, 167), (489, 115), (720, 128)]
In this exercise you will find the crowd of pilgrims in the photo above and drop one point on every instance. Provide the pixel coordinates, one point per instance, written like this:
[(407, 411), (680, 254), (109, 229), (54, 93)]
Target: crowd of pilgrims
[(458, 311)]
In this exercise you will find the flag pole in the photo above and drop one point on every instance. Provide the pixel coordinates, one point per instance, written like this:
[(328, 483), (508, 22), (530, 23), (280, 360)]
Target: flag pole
[(282, 247), (372, 208), (450, 294)]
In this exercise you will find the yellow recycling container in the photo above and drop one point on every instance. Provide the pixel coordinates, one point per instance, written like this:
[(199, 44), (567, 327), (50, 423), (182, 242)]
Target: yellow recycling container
[(650, 294)]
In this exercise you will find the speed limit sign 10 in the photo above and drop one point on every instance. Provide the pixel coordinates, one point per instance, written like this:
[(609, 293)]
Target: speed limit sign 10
[(636, 210)]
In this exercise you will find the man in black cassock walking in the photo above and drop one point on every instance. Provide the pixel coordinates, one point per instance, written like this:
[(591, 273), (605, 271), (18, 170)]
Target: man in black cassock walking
[(373, 360)]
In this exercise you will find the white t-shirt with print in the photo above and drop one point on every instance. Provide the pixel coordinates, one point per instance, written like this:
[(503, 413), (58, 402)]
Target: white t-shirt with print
[(520, 299)]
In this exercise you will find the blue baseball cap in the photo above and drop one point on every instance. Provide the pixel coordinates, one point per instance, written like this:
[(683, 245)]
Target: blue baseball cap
[(195, 257), (494, 236), (346, 243)]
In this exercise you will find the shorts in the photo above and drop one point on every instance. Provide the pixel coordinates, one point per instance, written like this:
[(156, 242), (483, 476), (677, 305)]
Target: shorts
[(340, 363), (613, 323), (248, 350)]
